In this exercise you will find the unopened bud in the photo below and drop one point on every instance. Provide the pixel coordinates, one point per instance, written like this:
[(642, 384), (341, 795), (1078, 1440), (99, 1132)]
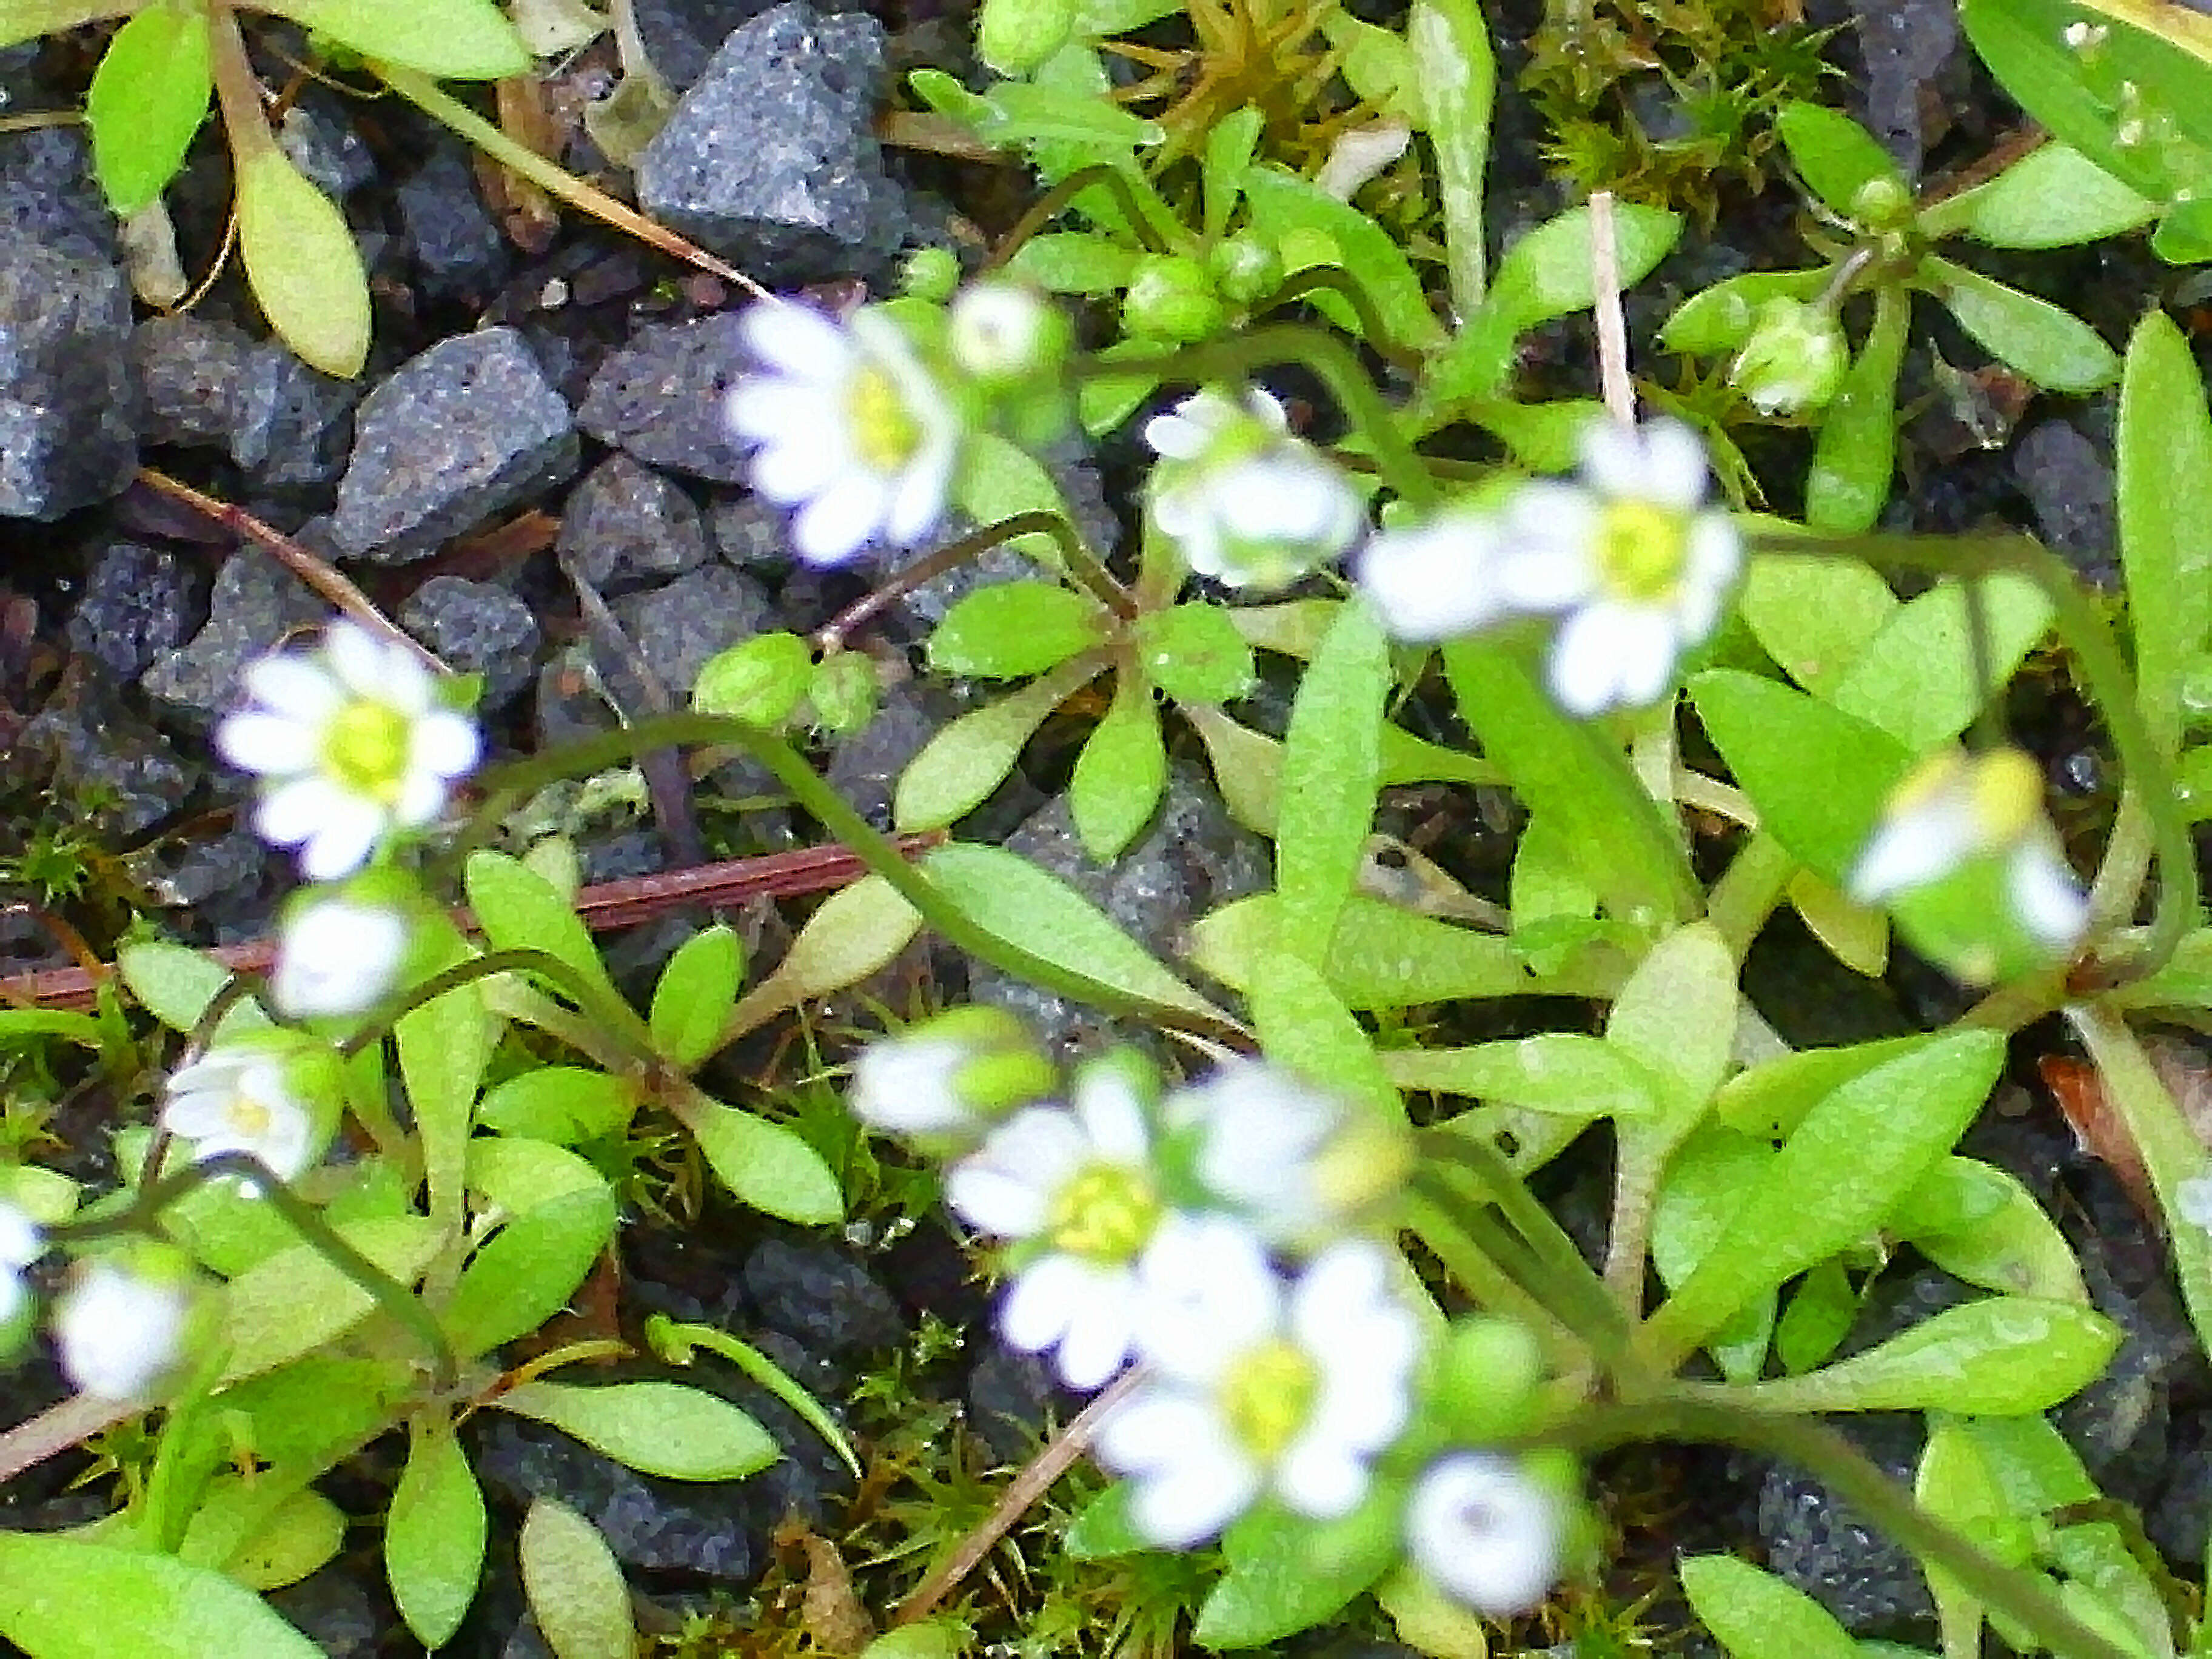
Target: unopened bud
[(1794, 358), (1015, 37), (930, 274), (1171, 298), (760, 681), (1001, 333), (844, 692), (1245, 267)]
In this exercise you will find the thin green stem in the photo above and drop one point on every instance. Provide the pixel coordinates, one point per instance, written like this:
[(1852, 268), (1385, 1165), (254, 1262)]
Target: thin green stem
[(1748, 890), (1335, 279), (1057, 200), (1448, 1238), (616, 1017)]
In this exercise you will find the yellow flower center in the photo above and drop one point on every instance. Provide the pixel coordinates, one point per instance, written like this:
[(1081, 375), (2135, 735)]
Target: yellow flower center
[(2008, 795), (249, 1119), (365, 749), (1103, 1213), (885, 430), (1641, 549), (1267, 1397)]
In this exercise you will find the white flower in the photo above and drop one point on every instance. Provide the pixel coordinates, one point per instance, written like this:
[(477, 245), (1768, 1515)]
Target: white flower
[(1002, 332), (849, 427), (952, 1076), (1248, 504), (20, 1246), (1955, 810), (351, 743), (117, 1331), (1305, 1385), (238, 1100), (1077, 1183), (1432, 581), (1486, 1533), (337, 956), (1299, 1163)]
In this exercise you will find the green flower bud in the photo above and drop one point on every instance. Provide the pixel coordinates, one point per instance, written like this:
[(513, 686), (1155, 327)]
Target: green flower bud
[(1247, 267), (844, 692), (1794, 358), (761, 681), (1015, 37), (1003, 334), (930, 274), (1171, 298), (1881, 205), (1484, 1381)]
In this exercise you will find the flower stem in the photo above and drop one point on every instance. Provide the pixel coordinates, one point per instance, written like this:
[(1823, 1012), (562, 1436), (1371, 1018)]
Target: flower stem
[(616, 1017), (1057, 200)]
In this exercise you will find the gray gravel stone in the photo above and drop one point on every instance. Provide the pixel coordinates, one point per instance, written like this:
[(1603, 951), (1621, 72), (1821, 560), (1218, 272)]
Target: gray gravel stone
[(69, 396), (677, 628), (2069, 485), (1906, 43), (319, 136), (626, 527), (256, 602), (209, 382), (680, 35), (107, 758), (865, 767), (823, 1297), (750, 532), (138, 604), (1871, 1585), (459, 432), (771, 159), (47, 191), (459, 253), (659, 399), (477, 628)]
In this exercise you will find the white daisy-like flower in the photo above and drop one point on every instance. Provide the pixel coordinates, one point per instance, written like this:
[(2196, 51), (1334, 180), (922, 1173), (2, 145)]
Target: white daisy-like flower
[(337, 956), (21, 1244), (1301, 1164), (238, 1100), (1955, 810), (350, 742), (1430, 582), (1486, 1533), (117, 1331), (1249, 504), (1076, 1184), (1305, 1385), (848, 427), (952, 1076)]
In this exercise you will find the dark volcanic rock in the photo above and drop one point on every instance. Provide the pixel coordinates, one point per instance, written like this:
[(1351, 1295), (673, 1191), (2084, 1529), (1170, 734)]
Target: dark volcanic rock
[(677, 628), (256, 602), (459, 253), (138, 602), (660, 398), (865, 767), (334, 1611), (320, 136), (823, 1296), (626, 527), (69, 397), (208, 382), (1872, 1585), (680, 36), (47, 190), (477, 628), (459, 432), (2070, 486), (108, 758), (1906, 43), (771, 159)]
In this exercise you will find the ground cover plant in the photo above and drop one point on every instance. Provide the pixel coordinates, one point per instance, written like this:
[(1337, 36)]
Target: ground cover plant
[(1372, 1224)]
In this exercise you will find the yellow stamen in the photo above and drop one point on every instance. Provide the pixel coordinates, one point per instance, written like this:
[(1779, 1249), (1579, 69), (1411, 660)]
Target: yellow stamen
[(1103, 1213), (365, 749), (1266, 1398), (1642, 548), (885, 430)]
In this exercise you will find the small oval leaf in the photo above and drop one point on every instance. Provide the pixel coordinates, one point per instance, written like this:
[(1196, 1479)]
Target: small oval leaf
[(658, 1428), (302, 263)]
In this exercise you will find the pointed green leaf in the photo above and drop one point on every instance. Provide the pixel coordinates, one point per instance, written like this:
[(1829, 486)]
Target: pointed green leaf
[(148, 97), (1121, 773), (1836, 156), (1195, 653), (1455, 81), (2164, 470), (1548, 272), (296, 1301), (1814, 616), (564, 1105), (692, 1001), (1856, 449), (455, 39), (2001, 1356), (1559, 1071), (302, 263), (577, 1595), (65, 1598), (1011, 630), (1330, 766), (958, 769), (528, 1270), (175, 984), (1719, 318), (851, 934), (1915, 679), (658, 1428), (769, 1165), (1755, 1615), (2052, 196), (1304, 1026), (1312, 227), (1981, 1224), (1275, 1586), (434, 1540), (2053, 348), (27, 20), (519, 911)]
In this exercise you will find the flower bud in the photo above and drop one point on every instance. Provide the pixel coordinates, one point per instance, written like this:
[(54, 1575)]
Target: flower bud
[(1002, 334), (1883, 205), (1015, 37), (930, 274), (1247, 267), (1794, 358), (1171, 298), (950, 1077), (844, 691), (760, 681)]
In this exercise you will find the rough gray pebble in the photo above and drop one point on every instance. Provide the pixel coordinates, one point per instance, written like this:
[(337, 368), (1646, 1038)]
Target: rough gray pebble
[(659, 399), (677, 628), (2069, 485), (209, 382), (256, 602), (108, 757), (1872, 1585), (47, 191), (69, 395), (460, 252), (626, 527), (771, 159), (823, 1296), (137, 603), (460, 431), (476, 627)]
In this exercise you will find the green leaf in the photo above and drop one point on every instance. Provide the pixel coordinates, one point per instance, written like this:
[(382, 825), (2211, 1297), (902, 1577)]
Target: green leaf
[(1103, 1529), (2003, 1355), (1704, 1185), (1330, 763), (851, 933), (1312, 227), (1195, 653), (434, 1540), (2164, 463), (65, 1598), (1456, 83), (1676, 1018), (1856, 1152), (1559, 1071), (148, 97), (1818, 776), (1771, 1098), (1754, 1615), (1273, 1586), (696, 990), (1011, 630), (1820, 1314), (1303, 1025), (1073, 262), (958, 769), (175, 984), (302, 263), (1229, 147), (658, 1428), (2052, 196), (296, 1301), (1915, 679), (1852, 458), (1980, 1225), (444, 1047), (528, 1270), (769, 1165), (2053, 348), (303, 1531), (1719, 318), (576, 1586), (1837, 157), (1006, 895), (454, 40), (999, 479), (29, 1024), (565, 1105), (1121, 773), (1548, 273), (519, 911), (1814, 616)]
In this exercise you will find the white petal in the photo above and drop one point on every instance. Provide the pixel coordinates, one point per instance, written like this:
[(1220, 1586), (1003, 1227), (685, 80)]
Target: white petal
[(918, 497), (1154, 1425), (1484, 1532), (272, 744), (421, 797), (789, 473), (20, 1242), (1174, 438), (116, 1332), (1432, 583), (343, 841), (1205, 1294), (292, 684), (1608, 656), (832, 527), (1195, 1497), (1112, 1116), (2046, 898), (357, 659), (1320, 1478), (1098, 1337), (1663, 462), (1912, 849), (993, 1201), (1546, 558), (1043, 1299), (289, 814), (796, 339), (1714, 561), (446, 743)]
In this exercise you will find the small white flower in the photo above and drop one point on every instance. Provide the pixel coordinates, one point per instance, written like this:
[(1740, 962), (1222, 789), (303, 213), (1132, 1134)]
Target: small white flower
[(1486, 1533), (1431, 582), (1956, 810), (1002, 332), (1076, 1183), (351, 743), (1305, 1386), (1248, 504), (953, 1076), (238, 1100), (20, 1246), (337, 956), (1299, 1163), (117, 1331), (849, 427)]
